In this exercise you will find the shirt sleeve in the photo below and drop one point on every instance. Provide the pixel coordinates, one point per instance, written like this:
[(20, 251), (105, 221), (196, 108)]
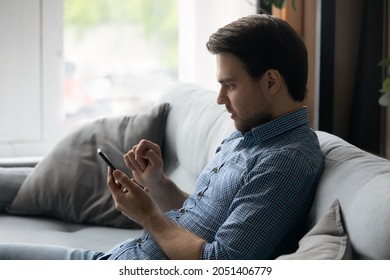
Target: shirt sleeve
[(276, 191)]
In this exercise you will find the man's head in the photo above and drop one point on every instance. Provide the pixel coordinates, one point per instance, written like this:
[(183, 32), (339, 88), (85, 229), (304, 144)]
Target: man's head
[(262, 69), (265, 42)]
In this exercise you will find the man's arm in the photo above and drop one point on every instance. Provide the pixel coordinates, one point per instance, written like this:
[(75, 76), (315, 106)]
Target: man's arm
[(136, 203)]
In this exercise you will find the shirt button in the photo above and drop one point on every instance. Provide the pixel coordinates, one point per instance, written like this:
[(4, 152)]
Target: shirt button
[(139, 241), (215, 170), (200, 195), (182, 210)]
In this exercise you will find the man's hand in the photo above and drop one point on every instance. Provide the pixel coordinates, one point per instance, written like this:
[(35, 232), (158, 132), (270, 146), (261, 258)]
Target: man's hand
[(130, 199), (146, 163)]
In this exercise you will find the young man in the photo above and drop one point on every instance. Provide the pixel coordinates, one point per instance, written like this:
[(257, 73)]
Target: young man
[(252, 199)]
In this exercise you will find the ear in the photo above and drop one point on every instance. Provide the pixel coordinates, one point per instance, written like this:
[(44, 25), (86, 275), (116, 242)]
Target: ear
[(273, 80)]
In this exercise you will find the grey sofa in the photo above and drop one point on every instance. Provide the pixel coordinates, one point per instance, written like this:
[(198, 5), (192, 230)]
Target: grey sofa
[(350, 217)]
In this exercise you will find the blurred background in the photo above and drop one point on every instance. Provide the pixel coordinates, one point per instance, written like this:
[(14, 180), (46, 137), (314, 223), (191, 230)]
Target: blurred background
[(118, 55), (62, 61)]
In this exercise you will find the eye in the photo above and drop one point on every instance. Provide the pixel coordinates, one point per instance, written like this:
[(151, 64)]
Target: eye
[(230, 86)]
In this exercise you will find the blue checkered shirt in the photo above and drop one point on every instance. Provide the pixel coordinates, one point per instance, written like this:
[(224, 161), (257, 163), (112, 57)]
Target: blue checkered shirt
[(250, 197)]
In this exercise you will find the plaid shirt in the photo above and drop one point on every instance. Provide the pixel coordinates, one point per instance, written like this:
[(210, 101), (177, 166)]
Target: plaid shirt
[(250, 196)]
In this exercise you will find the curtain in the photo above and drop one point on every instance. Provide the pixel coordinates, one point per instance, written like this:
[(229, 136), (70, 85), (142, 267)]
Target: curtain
[(365, 119)]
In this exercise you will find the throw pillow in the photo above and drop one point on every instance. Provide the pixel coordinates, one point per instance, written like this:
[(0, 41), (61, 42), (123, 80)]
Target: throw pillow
[(70, 182), (327, 240), (11, 178)]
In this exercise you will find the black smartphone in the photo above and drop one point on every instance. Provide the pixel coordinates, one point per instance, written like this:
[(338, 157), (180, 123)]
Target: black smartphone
[(106, 159)]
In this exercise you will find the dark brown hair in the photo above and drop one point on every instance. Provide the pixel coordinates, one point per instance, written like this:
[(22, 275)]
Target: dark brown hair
[(265, 42)]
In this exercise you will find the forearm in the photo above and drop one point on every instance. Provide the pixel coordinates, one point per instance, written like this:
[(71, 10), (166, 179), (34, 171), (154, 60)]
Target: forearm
[(167, 195), (176, 242)]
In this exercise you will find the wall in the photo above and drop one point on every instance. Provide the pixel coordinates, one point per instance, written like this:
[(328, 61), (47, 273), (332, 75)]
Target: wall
[(198, 19), (30, 76)]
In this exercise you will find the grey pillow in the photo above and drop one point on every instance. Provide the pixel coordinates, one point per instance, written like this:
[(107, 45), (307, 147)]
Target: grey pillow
[(70, 182), (11, 178), (327, 240)]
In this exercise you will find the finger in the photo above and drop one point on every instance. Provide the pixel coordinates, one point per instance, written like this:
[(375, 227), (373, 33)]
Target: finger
[(134, 149), (138, 184), (153, 158), (145, 145), (131, 162), (111, 184), (124, 180), (136, 156)]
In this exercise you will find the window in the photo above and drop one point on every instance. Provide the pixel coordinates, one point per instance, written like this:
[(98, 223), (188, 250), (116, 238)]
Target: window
[(118, 55)]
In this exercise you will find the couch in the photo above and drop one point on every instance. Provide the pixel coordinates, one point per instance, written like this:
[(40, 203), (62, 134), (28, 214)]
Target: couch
[(349, 219)]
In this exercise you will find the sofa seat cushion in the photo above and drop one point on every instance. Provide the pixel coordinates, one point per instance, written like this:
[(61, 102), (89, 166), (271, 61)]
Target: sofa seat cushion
[(70, 182), (46, 231)]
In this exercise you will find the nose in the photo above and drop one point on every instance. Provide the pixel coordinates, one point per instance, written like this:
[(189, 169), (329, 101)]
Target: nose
[(221, 99)]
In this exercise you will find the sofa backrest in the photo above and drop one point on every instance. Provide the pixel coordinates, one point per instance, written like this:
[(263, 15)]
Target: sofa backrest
[(361, 183)]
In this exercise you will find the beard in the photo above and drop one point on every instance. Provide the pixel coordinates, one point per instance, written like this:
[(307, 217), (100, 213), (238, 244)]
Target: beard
[(247, 124)]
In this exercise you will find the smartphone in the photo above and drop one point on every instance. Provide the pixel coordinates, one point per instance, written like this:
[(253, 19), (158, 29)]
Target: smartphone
[(106, 159)]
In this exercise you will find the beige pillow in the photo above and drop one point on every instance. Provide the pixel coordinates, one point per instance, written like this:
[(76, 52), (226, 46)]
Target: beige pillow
[(327, 240), (70, 182)]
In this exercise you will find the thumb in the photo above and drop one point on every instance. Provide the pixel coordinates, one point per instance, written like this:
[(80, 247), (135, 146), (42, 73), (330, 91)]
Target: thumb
[(124, 180)]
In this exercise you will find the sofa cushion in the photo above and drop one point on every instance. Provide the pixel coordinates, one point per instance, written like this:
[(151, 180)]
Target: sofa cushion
[(327, 240), (48, 230), (11, 178), (70, 182)]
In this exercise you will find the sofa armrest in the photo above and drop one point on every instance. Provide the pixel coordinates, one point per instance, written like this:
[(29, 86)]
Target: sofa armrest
[(19, 161), (11, 178)]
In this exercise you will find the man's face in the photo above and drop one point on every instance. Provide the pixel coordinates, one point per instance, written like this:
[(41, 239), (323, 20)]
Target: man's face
[(242, 96)]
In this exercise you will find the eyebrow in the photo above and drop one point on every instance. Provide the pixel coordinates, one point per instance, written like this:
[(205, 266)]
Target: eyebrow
[(227, 80)]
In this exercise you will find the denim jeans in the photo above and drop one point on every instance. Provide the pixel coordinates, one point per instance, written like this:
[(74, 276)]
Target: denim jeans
[(9, 251)]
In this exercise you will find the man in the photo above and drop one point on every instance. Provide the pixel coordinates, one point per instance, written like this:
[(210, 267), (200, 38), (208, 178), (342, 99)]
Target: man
[(252, 199)]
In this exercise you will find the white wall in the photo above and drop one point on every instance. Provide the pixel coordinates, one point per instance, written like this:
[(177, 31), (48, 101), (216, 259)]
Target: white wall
[(30, 76), (198, 19)]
